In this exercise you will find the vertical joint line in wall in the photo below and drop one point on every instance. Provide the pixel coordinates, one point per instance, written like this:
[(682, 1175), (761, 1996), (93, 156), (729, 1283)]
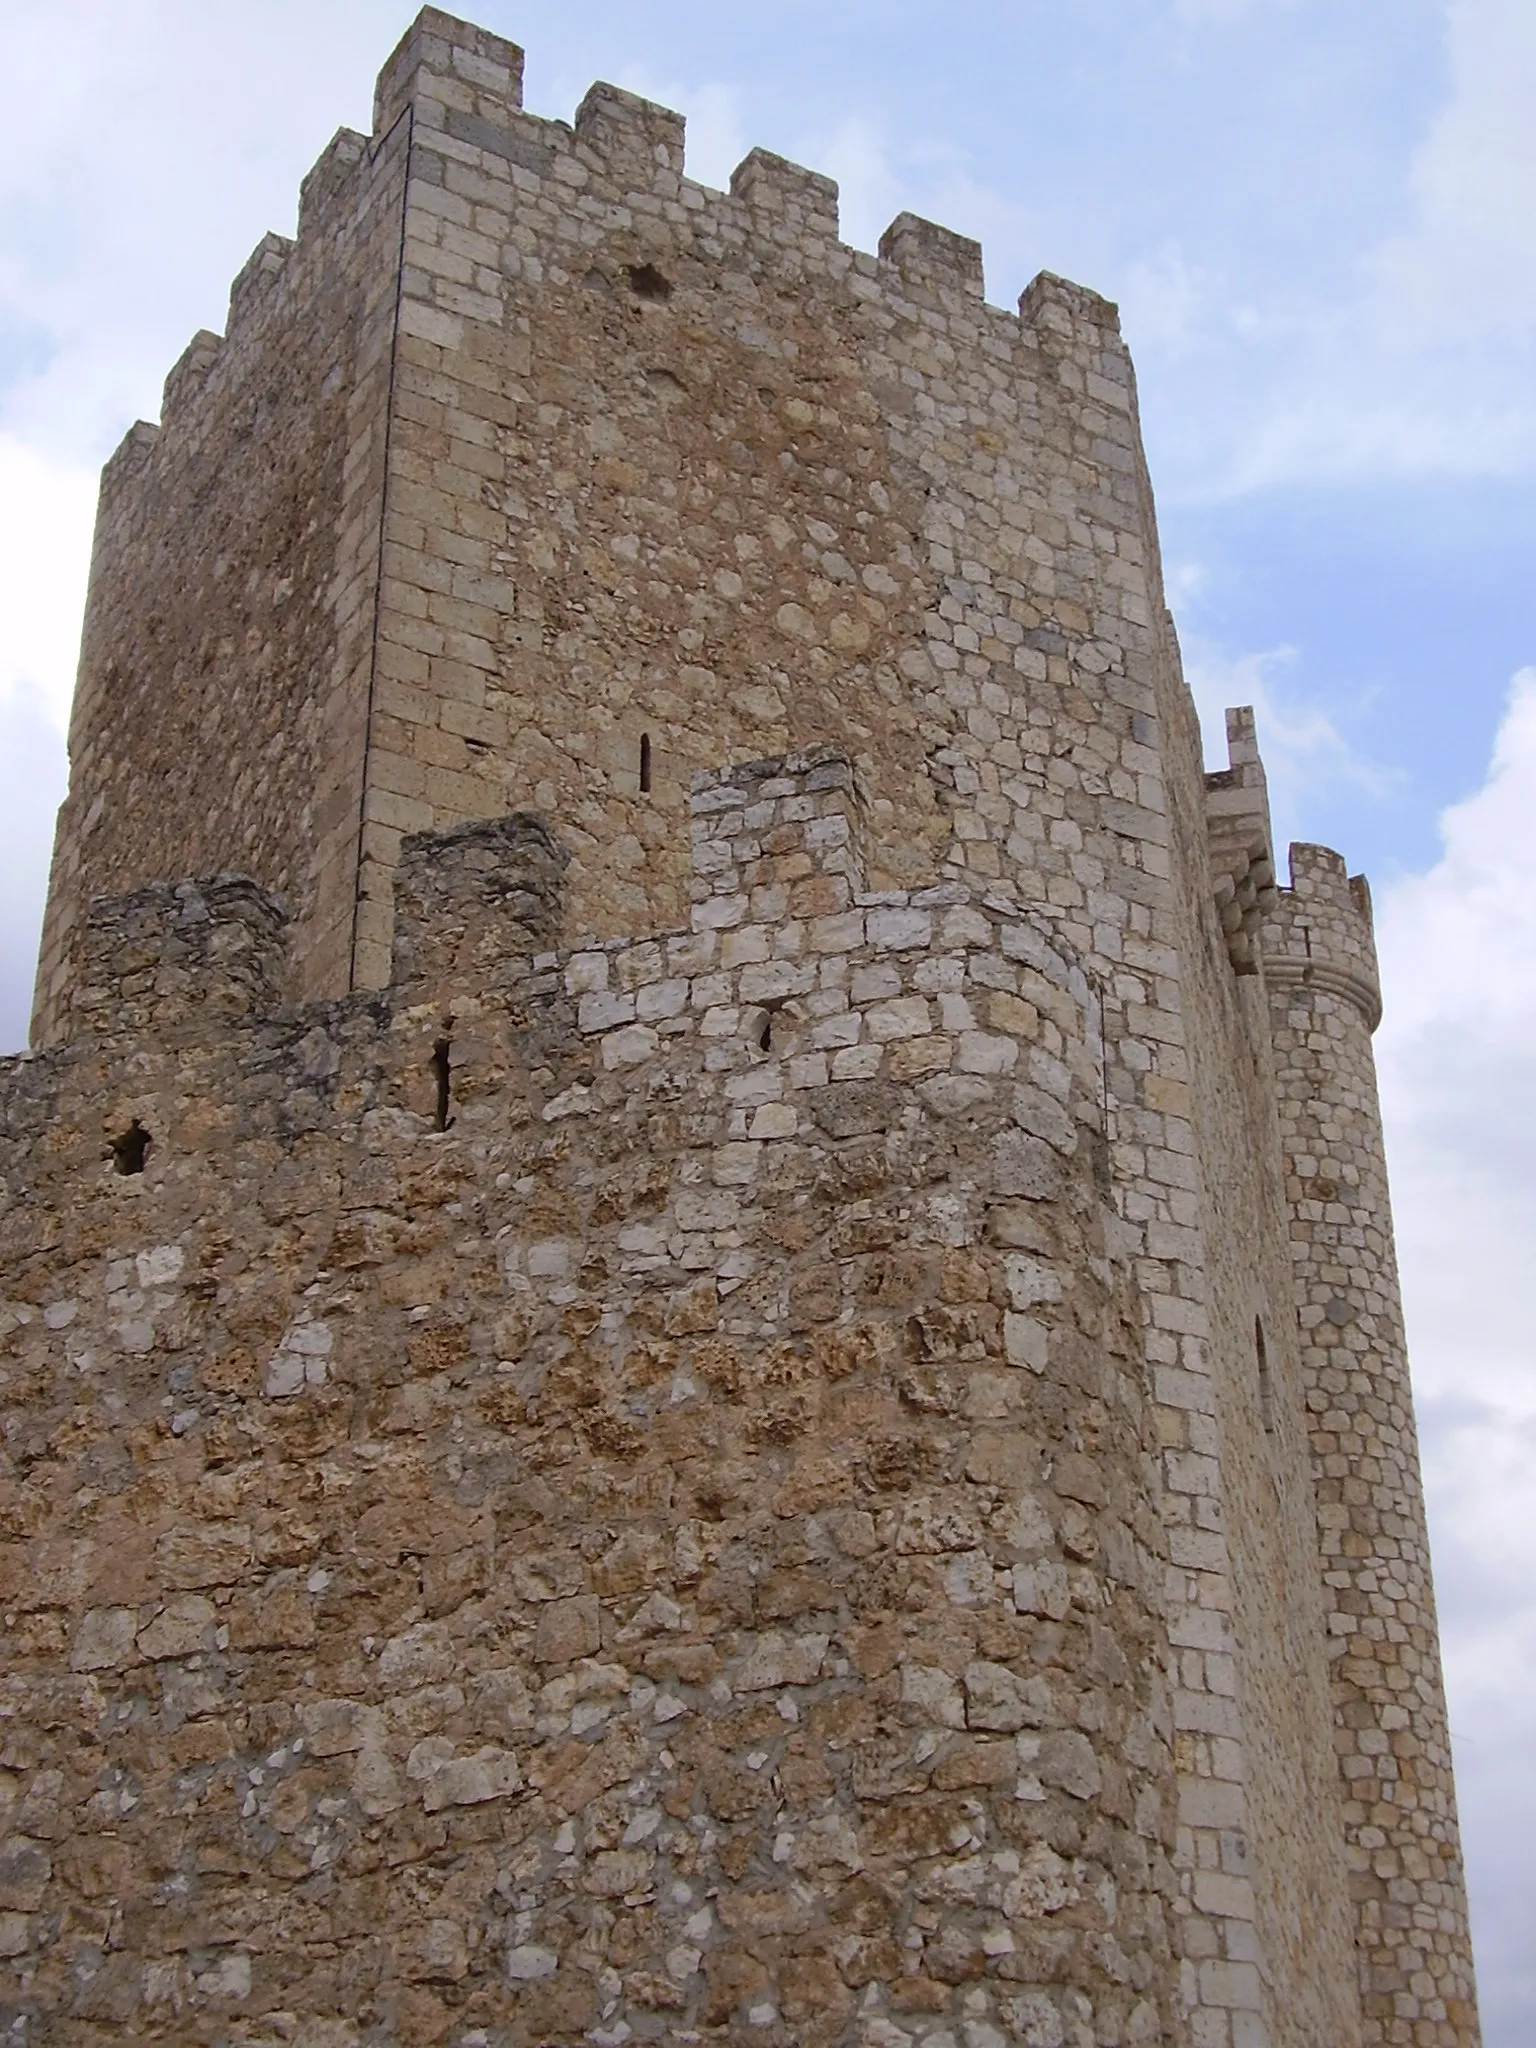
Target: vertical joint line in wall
[(409, 119)]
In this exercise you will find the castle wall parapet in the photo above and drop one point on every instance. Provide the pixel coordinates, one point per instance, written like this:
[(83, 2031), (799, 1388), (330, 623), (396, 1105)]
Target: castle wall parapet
[(471, 904), (635, 142), (442, 66), (787, 198), (933, 255), (1242, 860), (209, 952), (646, 1181), (738, 1499), (1320, 932)]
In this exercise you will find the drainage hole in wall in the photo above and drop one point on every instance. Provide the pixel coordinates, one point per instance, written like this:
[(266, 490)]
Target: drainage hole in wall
[(130, 1150), (761, 1028)]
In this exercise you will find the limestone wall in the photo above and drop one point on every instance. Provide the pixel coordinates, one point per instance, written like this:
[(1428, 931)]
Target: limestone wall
[(623, 478), (676, 471), (708, 478), (217, 720), (676, 1548), (1259, 1728), (1391, 1736)]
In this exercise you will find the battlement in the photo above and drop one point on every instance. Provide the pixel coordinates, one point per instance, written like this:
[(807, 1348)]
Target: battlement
[(634, 141), (768, 1247), (1320, 933), (785, 947), (932, 254), (330, 177), (472, 904), (466, 83), (777, 839), (1238, 833), (198, 953), (443, 66), (785, 199), (659, 1358)]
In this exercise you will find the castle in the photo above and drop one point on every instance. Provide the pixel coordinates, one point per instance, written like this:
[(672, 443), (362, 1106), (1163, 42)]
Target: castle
[(697, 1308)]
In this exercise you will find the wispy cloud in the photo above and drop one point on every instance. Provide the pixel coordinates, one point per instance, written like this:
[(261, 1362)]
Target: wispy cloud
[(856, 153), (1305, 753), (1418, 358), (1167, 304), (108, 145), (1466, 267)]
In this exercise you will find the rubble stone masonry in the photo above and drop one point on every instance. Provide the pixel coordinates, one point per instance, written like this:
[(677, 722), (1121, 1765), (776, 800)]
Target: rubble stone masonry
[(697, 1328)]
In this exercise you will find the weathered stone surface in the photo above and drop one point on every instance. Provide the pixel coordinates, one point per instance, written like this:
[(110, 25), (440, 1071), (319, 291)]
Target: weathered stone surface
[(652, 1383)]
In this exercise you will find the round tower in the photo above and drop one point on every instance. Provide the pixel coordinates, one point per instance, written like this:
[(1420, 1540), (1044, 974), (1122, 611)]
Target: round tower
[(1390, 1731)]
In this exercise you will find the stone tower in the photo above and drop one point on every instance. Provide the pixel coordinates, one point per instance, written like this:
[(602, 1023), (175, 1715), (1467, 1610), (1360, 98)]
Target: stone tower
[(697, 1309)]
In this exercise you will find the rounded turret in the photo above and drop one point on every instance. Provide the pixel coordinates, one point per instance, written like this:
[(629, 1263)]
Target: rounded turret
[(1320, 934), (1390, 1728)]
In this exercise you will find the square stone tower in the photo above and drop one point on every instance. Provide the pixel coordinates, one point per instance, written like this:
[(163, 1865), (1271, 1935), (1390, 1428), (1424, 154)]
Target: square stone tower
[(696, 1283)]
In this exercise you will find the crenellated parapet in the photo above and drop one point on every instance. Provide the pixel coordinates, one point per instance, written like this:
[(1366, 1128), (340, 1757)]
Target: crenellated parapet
[(1320, 933), (472, 904), (933, 255), (444, 67), (734, 1437), (785, 200), (198, 953), (1242, 861), (693, 1335), (777, 840)]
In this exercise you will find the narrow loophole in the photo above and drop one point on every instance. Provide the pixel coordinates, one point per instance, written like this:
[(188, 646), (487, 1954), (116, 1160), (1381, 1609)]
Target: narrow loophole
[(442, 1070), (645, 764), (765, 1033), (1266, 1385), (130, 1150)]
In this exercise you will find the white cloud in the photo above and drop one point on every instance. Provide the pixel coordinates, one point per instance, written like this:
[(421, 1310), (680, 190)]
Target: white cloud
[(1421, 360), (1476, 909), (128, 206), (1457, 1057), (1165, 303), (46, 509), (32, 750), (1305, 753), (869, 187), (1467, 266)]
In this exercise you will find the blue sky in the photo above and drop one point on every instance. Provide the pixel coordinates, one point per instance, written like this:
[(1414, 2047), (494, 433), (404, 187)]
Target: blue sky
[(1320, 221)]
